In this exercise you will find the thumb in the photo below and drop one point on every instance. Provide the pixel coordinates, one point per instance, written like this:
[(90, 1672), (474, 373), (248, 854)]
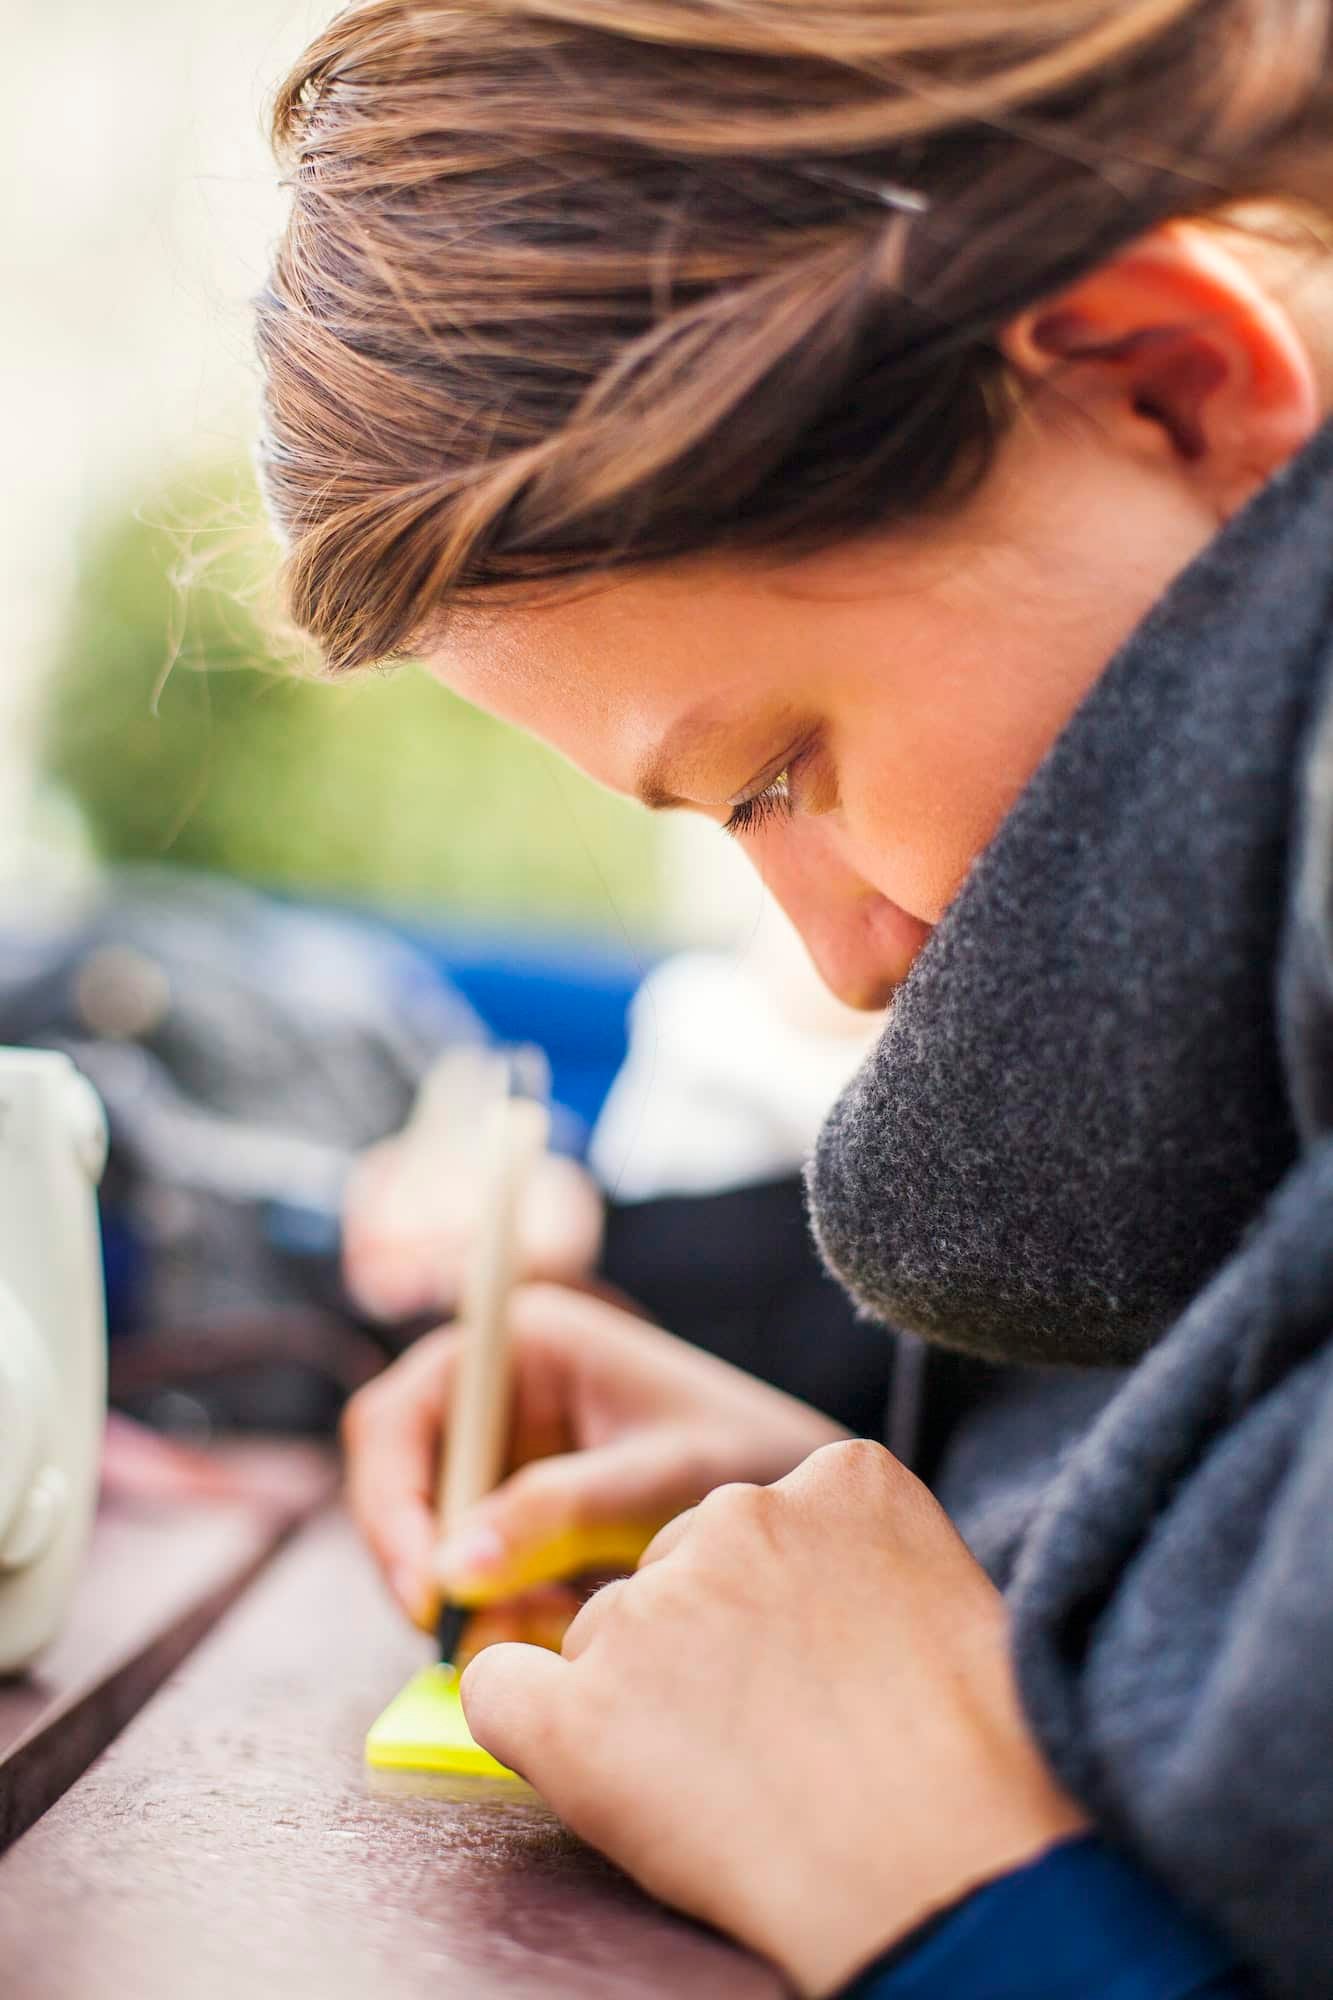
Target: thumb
[(511, 1696), (558, 1517)]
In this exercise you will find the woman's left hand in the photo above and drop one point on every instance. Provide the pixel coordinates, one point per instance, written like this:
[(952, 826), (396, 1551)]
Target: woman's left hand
[(797, 1721)]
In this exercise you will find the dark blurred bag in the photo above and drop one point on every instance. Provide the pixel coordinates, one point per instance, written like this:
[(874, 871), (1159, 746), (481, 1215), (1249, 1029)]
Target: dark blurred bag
[(246, 1049)]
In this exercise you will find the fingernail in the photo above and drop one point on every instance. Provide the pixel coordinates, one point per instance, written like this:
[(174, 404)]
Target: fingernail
[(468, 1554)]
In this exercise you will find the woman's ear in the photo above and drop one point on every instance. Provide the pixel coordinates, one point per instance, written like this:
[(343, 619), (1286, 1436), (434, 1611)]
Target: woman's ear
[(1179, 352)]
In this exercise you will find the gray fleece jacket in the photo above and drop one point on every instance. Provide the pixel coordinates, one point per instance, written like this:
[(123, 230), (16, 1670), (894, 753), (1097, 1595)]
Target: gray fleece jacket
[(1098, 1131)]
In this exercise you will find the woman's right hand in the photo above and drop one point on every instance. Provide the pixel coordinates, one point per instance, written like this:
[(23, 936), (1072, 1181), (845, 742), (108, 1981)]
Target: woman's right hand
[(617, 1427)]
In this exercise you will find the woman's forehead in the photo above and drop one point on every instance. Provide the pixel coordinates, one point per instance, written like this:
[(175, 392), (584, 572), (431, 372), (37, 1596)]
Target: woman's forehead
[(641, 639), (648, 689)]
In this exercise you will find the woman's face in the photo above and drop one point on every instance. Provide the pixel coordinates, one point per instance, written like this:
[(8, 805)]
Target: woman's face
[(907, 687)]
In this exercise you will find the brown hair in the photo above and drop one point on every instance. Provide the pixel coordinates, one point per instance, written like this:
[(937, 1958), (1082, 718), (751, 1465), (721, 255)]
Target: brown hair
[(569, 284)]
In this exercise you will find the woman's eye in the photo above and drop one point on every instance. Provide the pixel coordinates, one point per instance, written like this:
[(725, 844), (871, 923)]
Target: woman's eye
[(774, 802)]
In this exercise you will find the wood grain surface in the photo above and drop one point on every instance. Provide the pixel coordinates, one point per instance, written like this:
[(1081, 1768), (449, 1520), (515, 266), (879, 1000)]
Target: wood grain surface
[(158, 1576), (230, 1843)]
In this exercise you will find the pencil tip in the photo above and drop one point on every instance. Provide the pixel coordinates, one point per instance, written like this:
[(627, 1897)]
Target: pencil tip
[(449, 1630)]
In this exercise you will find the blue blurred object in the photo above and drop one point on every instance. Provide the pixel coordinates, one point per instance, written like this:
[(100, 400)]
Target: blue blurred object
[(568, 995)]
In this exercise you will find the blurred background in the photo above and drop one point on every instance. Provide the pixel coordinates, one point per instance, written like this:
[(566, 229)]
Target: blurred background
[(144, 717), (260, 910)]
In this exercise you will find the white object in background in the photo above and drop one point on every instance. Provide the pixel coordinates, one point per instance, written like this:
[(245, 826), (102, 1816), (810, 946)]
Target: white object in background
[(52, 1341), (734, 1062)]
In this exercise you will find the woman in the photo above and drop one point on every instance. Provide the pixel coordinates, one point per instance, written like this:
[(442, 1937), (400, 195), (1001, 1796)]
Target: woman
[(899, 432)]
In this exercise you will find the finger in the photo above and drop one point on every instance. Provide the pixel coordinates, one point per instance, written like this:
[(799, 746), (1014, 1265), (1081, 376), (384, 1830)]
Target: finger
[(559, 1517), (668, 1538), (539, 1618), (391, 1435), (853, 1470), (512, 1698), (684, 1524), (601, 1606), (395, 1280), (560, 1223), (374, 1271)]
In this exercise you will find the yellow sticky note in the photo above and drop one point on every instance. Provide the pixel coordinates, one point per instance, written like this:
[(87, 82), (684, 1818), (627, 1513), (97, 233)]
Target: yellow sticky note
[(424, 1729)]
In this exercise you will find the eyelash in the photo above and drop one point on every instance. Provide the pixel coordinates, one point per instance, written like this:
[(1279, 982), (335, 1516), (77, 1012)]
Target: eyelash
[(774, 802)]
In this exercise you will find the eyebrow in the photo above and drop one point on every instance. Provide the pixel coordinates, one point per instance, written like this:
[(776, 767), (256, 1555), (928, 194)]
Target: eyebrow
[(651, 790), (690, 733), (652, 780)]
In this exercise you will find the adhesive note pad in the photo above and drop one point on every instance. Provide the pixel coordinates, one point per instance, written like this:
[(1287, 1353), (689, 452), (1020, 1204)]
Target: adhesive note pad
[(424, 1729)]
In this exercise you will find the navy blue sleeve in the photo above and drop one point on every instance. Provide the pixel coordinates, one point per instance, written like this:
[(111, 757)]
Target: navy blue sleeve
[(1080, 1923)]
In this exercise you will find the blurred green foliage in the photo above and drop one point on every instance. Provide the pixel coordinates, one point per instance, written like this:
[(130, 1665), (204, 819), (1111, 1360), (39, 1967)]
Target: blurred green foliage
[(181, 737)]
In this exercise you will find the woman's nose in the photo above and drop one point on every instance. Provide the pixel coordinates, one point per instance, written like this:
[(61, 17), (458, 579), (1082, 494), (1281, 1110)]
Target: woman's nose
[(848, 963), (861, 942)]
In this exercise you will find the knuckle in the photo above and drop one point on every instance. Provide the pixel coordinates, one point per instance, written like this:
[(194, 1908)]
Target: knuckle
[(859, 1462), (733, 1505), (604, 1604), (857, 1454)]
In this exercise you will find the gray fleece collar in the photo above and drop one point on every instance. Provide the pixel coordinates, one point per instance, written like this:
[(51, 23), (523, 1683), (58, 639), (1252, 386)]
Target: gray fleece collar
[(1079, 1100)]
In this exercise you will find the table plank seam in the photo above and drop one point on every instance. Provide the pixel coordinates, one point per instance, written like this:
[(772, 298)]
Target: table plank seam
[(31, 1781)]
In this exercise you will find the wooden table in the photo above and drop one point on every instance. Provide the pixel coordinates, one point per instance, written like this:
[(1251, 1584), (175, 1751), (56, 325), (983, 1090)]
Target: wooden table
[(228, 1844)]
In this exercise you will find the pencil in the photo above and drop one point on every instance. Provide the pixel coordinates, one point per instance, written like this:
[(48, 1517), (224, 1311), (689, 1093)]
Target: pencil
[(515, 1131)]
